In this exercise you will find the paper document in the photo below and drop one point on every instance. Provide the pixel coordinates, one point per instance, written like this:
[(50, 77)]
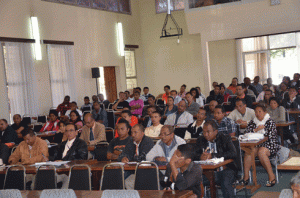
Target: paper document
[(51, 163), (294, 161), (211, 161)]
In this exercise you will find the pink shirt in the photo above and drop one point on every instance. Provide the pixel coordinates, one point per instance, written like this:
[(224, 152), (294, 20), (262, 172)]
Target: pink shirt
[(139, 110)]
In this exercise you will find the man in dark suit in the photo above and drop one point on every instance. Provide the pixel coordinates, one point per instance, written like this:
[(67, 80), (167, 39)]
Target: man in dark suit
[(240, 93), (214, 144), (7, 134), (72, 149)]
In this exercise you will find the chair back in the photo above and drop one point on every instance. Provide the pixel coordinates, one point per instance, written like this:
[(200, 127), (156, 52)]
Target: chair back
[(227, 107), (26, 119), (58, 193), (110, 134), (86, 109), (15, 178), (239, 159), (80, 177), (160, 102), (115, 171), (37, 127), (45, 171), (111, 119), (120, 193), (42, 119), (10, 193), (150, 172), (180, 131)]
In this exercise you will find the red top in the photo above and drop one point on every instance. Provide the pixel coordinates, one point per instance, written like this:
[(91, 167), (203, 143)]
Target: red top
[(62, 108), (50, 126), (134, 121)]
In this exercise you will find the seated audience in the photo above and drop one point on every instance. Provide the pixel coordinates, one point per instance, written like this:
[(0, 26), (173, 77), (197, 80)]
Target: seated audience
[(72, 149), (214, 144), (176, 97), (271, 86), (120, 103), (75, 119), (257, 85), (92, 132), (225, 125), (211, 109), (99, 114), (240, 94), (167, 93), (164, 148), (126, 114), (197, 98), (276, 112), (64, 107), (4, 153), (224, 93), (52, 124), (262, 123), (283, 92), (195, 129), (181, 118), (137, 148), (287, 81), (216, 95), (138, 89), (201, 94), (155, 128), (248, 86), (74, 107), (147, 120), (101, 100), (242, 115), (182, 172), (192, 106), (137, 104), (171, 107), (60, 135), (233, 85), (182, 91), (18, 125), (146, 93), (262, 94), (87, 105), (214, 84), (127, 97), (296, 82), (7, 133), (295, 186), (293, 101), (32, 150), (117, 145), (267, 96)]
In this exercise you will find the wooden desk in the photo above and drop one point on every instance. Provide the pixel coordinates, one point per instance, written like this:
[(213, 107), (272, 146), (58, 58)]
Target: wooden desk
[(280, 126), (208, 171), (143, 193), (248, 147), (295, 113), (266, 194)]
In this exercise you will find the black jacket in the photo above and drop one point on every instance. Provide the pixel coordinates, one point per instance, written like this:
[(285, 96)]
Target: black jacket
[(253, 89), (247, 98), (287, 104), (9, 135), (225, 148), (145, 146), (4, 153), (194, 133), (78, 151), (219, 98)]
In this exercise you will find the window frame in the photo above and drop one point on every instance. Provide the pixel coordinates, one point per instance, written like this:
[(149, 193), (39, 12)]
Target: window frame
[(132, 77)]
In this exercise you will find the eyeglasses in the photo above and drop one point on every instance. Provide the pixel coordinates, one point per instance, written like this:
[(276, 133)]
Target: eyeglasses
[(164, 135)]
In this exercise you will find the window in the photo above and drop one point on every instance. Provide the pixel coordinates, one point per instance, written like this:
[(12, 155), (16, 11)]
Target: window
[(131, 80), (101, 83), (272, 56), (61, 65), (162, 5), (120, 6), (20, 79)]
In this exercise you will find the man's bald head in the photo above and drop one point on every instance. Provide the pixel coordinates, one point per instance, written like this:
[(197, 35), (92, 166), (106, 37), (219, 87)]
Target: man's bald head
[(89, 120)]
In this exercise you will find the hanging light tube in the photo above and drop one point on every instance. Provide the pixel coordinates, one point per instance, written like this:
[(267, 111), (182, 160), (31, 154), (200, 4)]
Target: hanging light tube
[(36, 37), (120, 39)]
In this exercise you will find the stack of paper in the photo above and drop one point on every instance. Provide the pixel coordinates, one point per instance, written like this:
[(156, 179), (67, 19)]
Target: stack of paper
[(211, 161), (252, 136)]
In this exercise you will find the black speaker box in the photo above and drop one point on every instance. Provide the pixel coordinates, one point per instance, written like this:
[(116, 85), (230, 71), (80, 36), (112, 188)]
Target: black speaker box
[(95, 72)]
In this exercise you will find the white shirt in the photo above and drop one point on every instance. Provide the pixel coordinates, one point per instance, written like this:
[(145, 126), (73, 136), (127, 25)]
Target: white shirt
[(68, 146), (153, 131), (248, 116)]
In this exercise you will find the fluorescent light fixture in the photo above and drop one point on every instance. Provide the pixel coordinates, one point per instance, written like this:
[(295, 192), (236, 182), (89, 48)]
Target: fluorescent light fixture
[(36, 36), (121, 39)]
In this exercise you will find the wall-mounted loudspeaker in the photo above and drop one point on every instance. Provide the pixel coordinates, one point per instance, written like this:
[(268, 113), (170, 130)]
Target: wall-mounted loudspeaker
[(95, 72)]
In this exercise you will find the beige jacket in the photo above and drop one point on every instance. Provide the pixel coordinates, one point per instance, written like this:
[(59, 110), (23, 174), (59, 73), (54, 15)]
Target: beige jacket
[(99, 134), (32, 156)]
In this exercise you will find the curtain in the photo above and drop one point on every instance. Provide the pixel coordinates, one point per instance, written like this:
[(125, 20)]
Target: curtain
[(61, 64), (252, 58), (21, 79)]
